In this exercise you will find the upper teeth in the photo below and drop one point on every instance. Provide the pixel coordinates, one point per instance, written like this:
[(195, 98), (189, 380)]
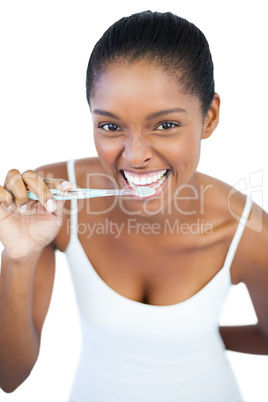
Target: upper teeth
[(144, 179)]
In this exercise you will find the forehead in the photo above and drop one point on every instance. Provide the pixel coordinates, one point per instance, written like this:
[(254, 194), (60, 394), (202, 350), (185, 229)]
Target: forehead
[(140, 85)]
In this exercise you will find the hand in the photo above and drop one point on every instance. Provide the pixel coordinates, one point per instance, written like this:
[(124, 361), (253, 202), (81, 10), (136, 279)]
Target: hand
[(27, 226)]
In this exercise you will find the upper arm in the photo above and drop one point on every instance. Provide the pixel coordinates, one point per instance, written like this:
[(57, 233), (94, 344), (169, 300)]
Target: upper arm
[(253, 271), (43, 285)]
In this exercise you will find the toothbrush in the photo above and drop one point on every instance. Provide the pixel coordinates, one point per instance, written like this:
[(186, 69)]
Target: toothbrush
[(82, 193)]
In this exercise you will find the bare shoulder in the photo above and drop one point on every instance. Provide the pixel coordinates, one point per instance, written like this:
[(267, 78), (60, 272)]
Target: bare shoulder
[(53, 170), (226, 204), (82, 167), (220, 201), (253, 263), (250, 264), (90, 173)]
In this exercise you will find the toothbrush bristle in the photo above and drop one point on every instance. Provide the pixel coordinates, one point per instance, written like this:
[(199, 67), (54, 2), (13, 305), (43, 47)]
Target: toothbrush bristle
[(144, 191)]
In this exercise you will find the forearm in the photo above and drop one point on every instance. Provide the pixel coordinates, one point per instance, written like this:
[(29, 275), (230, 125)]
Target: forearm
[(19, 340), (245, 339)]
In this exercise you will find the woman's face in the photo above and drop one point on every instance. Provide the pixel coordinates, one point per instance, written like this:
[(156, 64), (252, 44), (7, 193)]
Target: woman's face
[(146, 132)]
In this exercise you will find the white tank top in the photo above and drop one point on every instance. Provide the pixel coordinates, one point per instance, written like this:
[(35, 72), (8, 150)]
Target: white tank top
[(135, 352)]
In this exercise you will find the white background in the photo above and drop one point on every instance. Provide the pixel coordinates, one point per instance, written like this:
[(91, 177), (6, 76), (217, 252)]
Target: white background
[(45, 46)]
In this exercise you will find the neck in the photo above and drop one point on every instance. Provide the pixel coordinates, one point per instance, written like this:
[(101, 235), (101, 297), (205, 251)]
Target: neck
[(186, 204)]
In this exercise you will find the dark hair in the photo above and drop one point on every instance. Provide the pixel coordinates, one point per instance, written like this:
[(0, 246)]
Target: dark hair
[(171, 42)]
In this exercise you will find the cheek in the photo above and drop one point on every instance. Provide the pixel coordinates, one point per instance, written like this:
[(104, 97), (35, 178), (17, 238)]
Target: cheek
[(184, 152), (107, 149)]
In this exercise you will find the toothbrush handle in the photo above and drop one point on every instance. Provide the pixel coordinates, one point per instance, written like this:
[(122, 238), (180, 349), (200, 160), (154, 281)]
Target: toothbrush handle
[(82, 193), (58, 195), (32, 196)]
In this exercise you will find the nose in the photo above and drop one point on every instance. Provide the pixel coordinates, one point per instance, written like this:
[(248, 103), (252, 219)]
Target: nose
[(137, 151)]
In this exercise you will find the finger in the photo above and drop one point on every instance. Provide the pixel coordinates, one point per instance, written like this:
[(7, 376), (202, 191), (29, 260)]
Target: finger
[(59, 184), (35, 184), (15, 185), (63, 186), (5, 197)]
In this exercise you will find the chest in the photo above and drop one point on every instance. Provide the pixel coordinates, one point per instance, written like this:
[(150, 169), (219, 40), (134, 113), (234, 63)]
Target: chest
[(152, 266)]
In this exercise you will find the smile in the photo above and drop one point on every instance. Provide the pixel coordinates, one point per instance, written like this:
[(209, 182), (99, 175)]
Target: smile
[(154, 179)]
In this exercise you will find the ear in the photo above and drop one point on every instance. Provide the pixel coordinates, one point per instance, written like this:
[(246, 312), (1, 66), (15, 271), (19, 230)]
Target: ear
[(212, 117)]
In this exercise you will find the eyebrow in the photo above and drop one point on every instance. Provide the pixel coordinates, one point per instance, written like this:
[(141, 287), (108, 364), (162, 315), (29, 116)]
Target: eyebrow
[(149, 117), (105, 113), (164, 112)]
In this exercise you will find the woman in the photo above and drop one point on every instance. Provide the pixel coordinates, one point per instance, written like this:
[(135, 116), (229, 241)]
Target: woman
[(150, 273)]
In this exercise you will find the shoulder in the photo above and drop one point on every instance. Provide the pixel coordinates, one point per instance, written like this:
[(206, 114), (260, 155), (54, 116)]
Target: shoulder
[(228, 203), (219, 201), (253, 263), (89, 173), (81, 166), (223, 206)]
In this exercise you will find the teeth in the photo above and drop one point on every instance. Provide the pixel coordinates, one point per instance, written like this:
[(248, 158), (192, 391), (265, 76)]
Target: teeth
[(146, 179), (155, 179), (143, 180), (158, 184)]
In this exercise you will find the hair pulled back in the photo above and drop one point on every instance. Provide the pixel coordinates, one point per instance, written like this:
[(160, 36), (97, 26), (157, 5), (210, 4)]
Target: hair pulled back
[(170, 42)]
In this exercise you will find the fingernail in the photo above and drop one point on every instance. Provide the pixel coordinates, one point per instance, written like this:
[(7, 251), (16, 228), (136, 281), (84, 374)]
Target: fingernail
[(51, 206), (66, 184), (23, 208), (9, 207)]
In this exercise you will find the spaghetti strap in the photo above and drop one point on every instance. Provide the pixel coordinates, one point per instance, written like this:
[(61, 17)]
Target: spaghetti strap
[(71, 171), (74, 210), (239, 231)]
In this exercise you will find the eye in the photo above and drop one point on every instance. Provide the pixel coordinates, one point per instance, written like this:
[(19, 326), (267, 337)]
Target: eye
[(109, 127), (166, 125)]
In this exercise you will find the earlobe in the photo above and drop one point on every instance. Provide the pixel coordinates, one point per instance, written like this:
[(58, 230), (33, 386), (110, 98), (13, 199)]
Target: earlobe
[(212, 118)]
